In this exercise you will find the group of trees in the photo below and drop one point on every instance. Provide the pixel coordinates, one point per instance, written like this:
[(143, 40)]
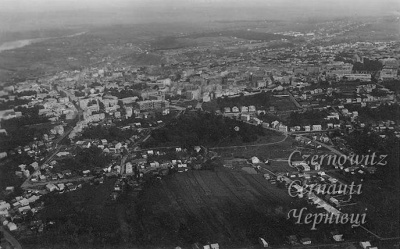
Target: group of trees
[(259, 100), (366, 142), (26, 93), (204, 129), (31, 117), (30, 111), (367, 65), (86, 159), (131, 91), (18, 131), (381, 113), (110, 133), (306, 118), (383, 193), (11, 104)]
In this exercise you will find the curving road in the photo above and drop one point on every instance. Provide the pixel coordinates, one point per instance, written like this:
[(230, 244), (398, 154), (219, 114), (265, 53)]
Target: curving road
[(251, 145), (10, 239)]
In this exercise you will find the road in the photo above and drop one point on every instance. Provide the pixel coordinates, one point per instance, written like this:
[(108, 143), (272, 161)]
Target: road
[(32, 185), (10, 239), (123, 170), (27, 182), (251, 145)]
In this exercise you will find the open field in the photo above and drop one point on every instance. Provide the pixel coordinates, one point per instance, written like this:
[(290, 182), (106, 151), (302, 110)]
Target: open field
[(271, 151), (226, 206), (283, 104)]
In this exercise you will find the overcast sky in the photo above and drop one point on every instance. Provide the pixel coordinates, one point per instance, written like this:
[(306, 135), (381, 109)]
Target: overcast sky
[(30, 14), (51, 5)]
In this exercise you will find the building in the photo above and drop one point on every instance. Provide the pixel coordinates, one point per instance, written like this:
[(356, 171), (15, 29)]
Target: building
[(245, 117), (152, 105), (244, 109), (7, 114), (283, 128), (361, 77), (129, 168), (316, 127)]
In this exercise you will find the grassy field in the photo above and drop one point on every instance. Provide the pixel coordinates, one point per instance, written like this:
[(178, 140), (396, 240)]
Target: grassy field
[(272, 151), (224, 206)]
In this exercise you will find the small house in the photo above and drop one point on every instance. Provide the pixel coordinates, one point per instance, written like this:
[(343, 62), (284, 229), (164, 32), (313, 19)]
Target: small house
[(305, 241), (365, 244), (337, 236)]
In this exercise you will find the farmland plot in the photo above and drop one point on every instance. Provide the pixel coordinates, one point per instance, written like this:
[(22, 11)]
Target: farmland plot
[(224, 206)]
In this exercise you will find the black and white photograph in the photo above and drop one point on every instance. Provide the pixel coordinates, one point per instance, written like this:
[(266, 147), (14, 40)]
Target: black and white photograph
[(199, 124)]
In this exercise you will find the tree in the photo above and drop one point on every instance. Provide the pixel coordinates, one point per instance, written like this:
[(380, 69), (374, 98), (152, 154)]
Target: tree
[(102, 106)]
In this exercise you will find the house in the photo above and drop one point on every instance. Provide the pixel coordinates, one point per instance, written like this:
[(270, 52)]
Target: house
[(154, 164), (67, 172), (365, 244), (86, 172), (51, 187), (275, 123), (235, 109), (245, 117), (214, 246), (165, 111), (257, 121), (24, 202), (197, 148), (61, 186), (244, 109), (305, 241), (307, 128), (24, 209), (10, 189), (316, 127), (255, 160), (333, 115), (265, 125), (11, 226), (337, 236), (263, 243), (5, 206), (283, 128), (129, 168), (35, 165), (3, 155), (33, 198)]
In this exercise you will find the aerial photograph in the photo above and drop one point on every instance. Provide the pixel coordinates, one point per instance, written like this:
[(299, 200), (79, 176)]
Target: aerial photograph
[(199, 124)]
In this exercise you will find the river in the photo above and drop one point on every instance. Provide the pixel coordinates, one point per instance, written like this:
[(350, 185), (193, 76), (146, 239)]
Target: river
[(22, 43)]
